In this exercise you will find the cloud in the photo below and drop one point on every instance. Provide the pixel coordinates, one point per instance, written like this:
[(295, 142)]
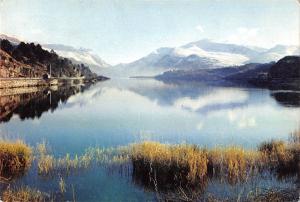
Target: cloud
[(199, 28), (240, 119), (247, 122), (244, 36), (199, 126), (262, 36), (217, 97)]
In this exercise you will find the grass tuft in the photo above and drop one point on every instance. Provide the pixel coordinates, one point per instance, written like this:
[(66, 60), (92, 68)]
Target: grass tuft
[(181, 163), (48, 164), (283, 157), (15, 158), (24, 194)]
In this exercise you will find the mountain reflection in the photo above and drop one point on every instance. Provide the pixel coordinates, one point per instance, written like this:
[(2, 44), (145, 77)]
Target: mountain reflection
[(288, 99), (30, 103), (197, 96)]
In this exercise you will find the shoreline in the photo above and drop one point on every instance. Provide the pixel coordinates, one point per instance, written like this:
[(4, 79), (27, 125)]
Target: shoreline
[(26, 82), (6, 83)]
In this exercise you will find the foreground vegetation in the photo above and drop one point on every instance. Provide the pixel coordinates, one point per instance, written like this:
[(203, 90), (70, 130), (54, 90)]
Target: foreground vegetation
[(24, 194), (49, 165), (175, 171), (190, 164), (15, 158)]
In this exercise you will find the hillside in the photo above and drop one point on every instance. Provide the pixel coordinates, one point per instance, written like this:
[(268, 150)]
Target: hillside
[(9, 67), (239, 74), (287, 67), (31, 60), (284, 74), (203, 54)]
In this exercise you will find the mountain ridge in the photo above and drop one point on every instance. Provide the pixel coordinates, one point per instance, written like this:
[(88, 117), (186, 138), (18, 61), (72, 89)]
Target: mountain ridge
[(284, 74), (80, 55), (201, 54)]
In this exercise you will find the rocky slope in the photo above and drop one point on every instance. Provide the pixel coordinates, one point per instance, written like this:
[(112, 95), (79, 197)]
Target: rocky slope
[(31, 60), (9, 67)]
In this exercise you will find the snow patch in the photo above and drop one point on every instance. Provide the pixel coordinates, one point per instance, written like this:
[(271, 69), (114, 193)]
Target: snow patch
[(224, 59)]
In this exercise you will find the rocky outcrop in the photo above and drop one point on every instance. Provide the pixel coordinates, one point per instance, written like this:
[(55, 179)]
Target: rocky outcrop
[(10, 67)]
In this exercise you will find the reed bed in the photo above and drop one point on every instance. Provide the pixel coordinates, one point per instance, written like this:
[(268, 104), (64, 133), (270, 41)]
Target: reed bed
[(273, 195), (166, 163), (15, 158), (233, 163), (184, 164), (282, 157), (181, 164), (25, 194), (183, 168), (48, 164)]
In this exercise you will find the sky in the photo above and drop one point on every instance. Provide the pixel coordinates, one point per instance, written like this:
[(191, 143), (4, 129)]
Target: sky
[(121, 31)]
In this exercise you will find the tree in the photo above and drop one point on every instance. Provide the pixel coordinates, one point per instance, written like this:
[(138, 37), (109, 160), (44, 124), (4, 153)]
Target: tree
[(6, 46)]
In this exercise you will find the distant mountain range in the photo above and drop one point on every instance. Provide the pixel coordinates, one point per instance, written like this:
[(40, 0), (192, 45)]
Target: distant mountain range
[(79, 55), (11, 39), (203, 54), (220, 75), (284, 74), (200, 60)]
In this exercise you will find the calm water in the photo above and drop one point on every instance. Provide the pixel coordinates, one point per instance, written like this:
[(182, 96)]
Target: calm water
[(119, 112)]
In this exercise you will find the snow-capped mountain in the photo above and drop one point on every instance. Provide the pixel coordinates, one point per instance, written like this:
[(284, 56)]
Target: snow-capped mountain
[(204, 54), (12, 39), (80, 55)]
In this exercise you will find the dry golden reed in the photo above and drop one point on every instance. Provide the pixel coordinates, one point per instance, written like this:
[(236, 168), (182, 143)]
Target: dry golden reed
[(188, 163), (189, 160), (48, 164), (15, 158), (24, 194)]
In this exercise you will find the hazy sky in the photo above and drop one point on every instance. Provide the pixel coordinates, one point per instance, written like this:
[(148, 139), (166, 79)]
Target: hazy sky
[(124, 30)]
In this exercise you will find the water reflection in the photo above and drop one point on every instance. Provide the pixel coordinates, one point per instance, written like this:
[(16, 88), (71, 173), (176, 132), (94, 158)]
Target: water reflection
[(119, 112), (256, 188), (287, 98), (196, 97), (30, 103)]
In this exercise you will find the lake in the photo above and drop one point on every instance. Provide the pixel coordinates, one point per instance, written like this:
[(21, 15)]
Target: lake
[(123, 111)]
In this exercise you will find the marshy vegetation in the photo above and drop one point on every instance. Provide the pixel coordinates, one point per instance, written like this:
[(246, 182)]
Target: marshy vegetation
[(49, 165), (24, 194), (174, 171), (184, 171), (15, 158), (189, 164)]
